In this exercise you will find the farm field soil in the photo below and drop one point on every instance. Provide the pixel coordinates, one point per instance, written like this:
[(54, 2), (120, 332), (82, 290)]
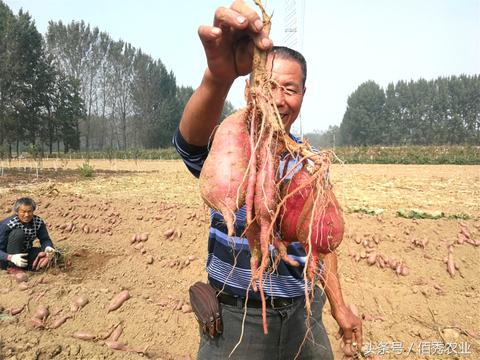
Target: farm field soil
[(425, 314)]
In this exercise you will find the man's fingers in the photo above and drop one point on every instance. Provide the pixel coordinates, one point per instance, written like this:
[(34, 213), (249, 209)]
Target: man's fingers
[(349, 344), (225, 17), (255, 25), (347, 336), (242, 18), (35, 262), (209, 33), (358, 337), (348, 349), (254, 22), (352, 341), (43, 263)]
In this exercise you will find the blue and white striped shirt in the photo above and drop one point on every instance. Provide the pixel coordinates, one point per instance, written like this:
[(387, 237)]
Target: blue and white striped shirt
[(228, 262)]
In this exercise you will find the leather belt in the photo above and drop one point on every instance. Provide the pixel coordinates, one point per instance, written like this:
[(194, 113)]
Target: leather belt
[(272, 303)]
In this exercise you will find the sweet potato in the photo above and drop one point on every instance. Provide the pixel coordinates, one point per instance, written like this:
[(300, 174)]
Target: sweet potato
[(265, 202), (168, 233), (36, 323), (138, 246), (115, 345), (83, 335), (21, 277), (296, 195), (16, 310), (41, 313), (23, 286), (105, 334), (223, 179), (60, 321), (78, 303), (450, 263), (328, 225), (118, 300), (371, 259), (117, 332), (133, 238)]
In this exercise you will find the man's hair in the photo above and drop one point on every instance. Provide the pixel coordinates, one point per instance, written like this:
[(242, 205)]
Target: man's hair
[(284, 52), (24, 201)]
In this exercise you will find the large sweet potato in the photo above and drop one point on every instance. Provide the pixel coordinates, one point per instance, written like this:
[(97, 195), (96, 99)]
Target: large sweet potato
[(322, 218), (223, 179), (296, 194), (312, 216)]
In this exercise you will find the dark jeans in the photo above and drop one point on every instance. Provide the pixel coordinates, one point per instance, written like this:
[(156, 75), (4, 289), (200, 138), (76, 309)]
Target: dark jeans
[(286, 331), (17, 244)]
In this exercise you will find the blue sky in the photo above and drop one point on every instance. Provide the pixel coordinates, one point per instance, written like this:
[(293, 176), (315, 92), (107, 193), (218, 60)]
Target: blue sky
[(346, 42)]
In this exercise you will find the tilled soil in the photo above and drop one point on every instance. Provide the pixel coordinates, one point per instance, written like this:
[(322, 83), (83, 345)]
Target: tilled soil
[(425, 313)]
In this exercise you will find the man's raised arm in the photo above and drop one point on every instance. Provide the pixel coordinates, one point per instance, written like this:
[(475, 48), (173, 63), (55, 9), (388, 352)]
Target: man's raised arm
[(228, 46)]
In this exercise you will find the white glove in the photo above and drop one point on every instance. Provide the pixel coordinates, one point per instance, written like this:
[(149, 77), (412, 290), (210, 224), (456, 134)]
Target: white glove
[(18, 260)]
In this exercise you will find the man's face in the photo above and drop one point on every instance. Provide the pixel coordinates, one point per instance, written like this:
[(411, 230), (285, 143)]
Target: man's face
[(288, 91), (25, 214)]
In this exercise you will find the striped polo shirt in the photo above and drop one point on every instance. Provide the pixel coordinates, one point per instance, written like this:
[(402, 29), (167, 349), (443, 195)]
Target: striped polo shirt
[(228, 262)]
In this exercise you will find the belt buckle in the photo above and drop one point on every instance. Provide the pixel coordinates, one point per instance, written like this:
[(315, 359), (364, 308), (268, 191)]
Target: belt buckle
[(281, 303)]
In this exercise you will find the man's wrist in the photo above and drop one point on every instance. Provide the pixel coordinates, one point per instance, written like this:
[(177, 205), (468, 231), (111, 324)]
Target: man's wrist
[(338, 309), (219, 85), (9, 258)]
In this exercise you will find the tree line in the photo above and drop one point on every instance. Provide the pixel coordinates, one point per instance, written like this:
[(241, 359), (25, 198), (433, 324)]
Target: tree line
[(444, 111), (77, 88), (38, 103)]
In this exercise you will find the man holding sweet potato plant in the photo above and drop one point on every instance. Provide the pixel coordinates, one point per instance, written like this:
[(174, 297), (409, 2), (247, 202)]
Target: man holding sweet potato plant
[(17, 234), (228, 46)]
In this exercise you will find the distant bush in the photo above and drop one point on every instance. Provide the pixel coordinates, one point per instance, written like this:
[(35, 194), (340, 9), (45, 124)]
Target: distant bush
[(456, 155), (131, 154)]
